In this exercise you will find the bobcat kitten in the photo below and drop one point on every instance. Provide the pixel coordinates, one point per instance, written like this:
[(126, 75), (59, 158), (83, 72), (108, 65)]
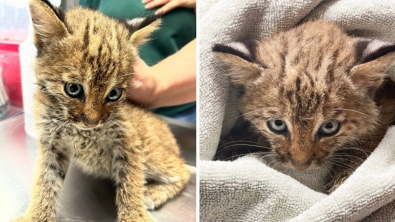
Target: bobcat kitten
[(318, 95), (83, 69)]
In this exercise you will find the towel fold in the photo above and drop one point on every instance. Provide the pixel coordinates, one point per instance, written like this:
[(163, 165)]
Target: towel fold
[(248, 190)]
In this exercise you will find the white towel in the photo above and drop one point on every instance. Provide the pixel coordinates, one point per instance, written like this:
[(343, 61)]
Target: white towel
[(247, 190)]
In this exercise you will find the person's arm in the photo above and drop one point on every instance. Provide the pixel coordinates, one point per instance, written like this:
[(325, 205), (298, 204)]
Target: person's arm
[(170, 82), (168, 5)]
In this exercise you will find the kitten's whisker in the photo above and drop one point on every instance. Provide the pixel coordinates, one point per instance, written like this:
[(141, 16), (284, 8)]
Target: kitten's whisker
[(244, 144), (354, 148), (351, 110), (359, 102), (263, 156), (251, 145), (347, 161), (273, 161), (56, 130), (347, 155), (51, 120), (341, 164), (245, 141), (239, 155), (128, 74), (329, 171), (268, 154), (336, 164), (278, 162)]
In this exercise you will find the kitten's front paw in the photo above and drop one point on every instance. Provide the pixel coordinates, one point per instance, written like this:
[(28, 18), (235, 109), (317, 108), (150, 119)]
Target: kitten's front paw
[(29, 218), (149, 203), (144, 218), (147, 218), (156, 195)]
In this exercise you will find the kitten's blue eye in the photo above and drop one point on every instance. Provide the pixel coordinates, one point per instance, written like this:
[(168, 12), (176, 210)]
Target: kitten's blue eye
[(277, 126), (114, 95), (329, 128), (73, 90)]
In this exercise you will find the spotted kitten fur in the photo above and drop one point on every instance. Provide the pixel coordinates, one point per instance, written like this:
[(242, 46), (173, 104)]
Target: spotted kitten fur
[(83, 69), (317, 95)]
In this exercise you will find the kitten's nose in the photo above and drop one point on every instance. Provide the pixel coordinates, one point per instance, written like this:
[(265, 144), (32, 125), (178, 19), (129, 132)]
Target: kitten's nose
[(299, 164), (89, 122)]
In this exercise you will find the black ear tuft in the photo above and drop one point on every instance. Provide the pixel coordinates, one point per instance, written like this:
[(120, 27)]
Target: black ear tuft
[(371, 49), (245, 50), (48, 23), (59, 13), (148, 20), (139, 23), (141, 28), (228, 49), (239, 59), (374, 58)]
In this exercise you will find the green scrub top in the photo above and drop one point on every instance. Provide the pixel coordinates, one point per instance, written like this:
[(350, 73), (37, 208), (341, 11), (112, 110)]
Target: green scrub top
[(177, 29)]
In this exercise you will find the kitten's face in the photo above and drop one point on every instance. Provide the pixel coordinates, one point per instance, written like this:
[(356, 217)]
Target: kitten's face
[(84, 62), (92, 74), (304, 122), (309, 90)]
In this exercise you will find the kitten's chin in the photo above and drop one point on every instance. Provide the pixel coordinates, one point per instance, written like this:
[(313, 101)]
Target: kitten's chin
[(83, 127), (279, 165), (312, 166)]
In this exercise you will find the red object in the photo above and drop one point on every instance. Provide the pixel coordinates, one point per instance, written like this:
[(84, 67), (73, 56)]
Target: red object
[(13, 47), (11, 72)]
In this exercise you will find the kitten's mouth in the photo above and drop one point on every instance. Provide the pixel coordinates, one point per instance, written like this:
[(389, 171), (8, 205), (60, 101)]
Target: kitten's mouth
[(303, 167), (281, 161), (289, 164), (84, 127)]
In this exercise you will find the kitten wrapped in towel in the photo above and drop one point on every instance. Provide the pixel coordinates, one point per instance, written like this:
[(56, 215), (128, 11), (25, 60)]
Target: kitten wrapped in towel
[(313, 96)]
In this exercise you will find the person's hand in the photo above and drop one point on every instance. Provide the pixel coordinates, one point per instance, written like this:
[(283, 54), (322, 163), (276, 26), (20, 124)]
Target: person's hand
[(170, 82), (168, 5), (143, 89)]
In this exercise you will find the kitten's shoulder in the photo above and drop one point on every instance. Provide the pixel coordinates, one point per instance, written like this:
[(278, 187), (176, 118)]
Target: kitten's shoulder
[(139, 114)]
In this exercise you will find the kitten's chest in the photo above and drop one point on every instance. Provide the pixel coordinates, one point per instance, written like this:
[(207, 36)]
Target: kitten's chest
[(91, 150)]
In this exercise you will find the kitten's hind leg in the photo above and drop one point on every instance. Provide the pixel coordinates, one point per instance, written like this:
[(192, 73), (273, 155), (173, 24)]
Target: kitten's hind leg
[(166, 180)]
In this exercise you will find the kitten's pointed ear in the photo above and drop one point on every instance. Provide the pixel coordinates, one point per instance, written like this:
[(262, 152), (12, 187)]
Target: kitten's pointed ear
[(239, 58), (142, 28), (47, 22), (374, 58)]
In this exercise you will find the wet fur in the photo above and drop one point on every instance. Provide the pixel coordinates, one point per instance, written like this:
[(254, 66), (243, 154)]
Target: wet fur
[(129, 145), (311, 74)]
